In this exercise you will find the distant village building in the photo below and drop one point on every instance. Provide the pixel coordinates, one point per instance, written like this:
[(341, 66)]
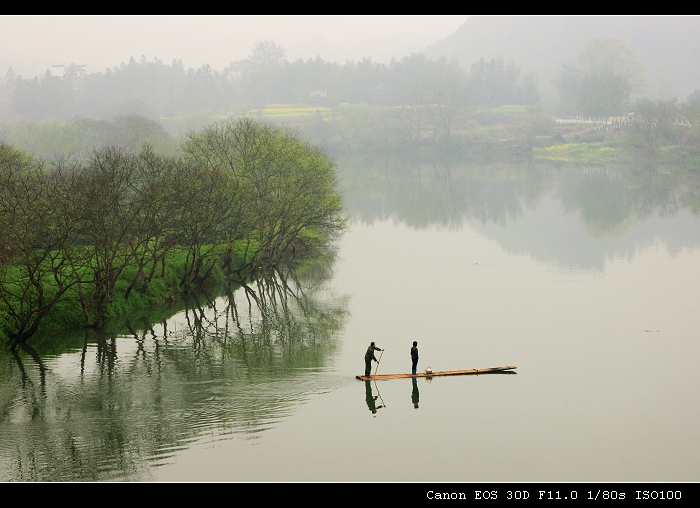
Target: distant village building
[(62, 70)]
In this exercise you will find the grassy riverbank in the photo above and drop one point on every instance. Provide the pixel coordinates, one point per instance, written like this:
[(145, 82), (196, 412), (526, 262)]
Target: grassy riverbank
[(161, 290), (506, 132)]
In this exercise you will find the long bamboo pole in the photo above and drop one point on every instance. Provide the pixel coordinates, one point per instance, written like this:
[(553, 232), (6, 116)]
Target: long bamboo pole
[(380, 359)]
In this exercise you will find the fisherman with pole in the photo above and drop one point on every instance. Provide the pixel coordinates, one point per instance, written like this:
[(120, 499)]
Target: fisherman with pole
[(369, 356)]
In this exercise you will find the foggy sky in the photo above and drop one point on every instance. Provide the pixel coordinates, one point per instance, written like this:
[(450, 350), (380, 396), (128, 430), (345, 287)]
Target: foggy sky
[(32, 44)]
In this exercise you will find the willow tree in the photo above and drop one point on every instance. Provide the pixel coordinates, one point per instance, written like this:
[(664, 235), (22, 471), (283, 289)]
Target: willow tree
[(283, 189)]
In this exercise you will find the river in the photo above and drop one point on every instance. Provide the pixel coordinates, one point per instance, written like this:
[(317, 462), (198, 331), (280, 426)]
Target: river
[(584, 278)]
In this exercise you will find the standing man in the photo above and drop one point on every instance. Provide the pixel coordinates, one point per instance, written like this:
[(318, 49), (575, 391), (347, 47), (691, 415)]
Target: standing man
[(414, 357), (369, 356)]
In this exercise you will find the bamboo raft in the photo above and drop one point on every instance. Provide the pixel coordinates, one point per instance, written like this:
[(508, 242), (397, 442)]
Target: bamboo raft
[(508, 369)]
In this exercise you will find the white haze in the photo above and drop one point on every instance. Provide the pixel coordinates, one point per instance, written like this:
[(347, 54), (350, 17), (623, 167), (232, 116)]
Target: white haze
[(31, 45)]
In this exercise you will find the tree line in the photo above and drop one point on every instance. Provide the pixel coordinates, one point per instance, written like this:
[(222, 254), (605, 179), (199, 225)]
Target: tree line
[(152, 88), (85, 237), (409, 102), (606, 74)]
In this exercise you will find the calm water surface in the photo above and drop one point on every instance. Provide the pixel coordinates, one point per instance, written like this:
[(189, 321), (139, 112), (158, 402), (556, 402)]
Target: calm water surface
[(586, 280)]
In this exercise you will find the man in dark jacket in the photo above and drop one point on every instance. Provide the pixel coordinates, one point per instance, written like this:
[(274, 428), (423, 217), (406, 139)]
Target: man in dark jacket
[(414, 357), (369, 356)]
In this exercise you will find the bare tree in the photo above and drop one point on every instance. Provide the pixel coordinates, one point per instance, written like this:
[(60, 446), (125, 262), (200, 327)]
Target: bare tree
[(34, 271), (105, 212), (533, 122), (652, 123), (267, 52)]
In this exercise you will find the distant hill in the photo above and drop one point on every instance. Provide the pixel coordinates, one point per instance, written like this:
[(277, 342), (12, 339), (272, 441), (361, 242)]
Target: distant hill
[(668, 46)]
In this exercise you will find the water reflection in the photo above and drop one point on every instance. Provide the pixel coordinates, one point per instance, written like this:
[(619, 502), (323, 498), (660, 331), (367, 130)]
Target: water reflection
[(114, 405), (415, 395), (371, 399), (568, 214), (121, 404)]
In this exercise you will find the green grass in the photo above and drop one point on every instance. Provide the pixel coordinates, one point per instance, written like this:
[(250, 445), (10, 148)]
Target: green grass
[(67, 314), (148, 297), (291, 112), (577, 152)]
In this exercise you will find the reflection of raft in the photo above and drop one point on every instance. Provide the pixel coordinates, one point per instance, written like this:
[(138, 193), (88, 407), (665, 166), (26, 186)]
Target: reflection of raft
[(492, 370)]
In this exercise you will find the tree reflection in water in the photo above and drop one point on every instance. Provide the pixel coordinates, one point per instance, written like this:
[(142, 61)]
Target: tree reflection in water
[(113, 405)]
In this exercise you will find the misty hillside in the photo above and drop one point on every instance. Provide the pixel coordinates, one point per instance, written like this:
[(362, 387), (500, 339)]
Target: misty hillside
[(667, 45)]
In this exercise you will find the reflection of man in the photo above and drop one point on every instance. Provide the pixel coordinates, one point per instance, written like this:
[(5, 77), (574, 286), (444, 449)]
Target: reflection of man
[(371, 398), (414, 393)]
